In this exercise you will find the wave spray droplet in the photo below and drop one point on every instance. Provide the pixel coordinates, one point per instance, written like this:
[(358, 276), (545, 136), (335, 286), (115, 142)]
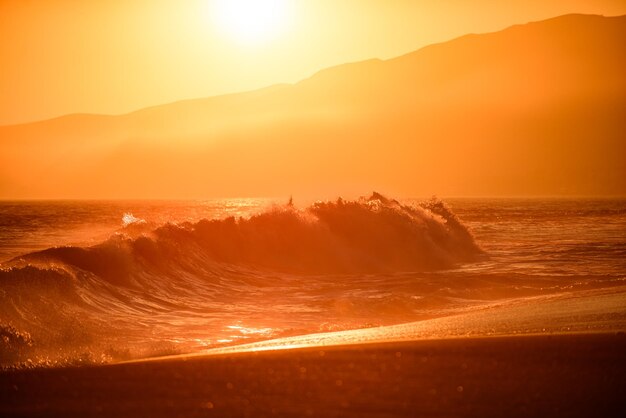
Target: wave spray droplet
[(129, 219)]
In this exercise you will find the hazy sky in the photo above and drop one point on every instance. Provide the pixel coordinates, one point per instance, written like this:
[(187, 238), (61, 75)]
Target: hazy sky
[(114, 56)]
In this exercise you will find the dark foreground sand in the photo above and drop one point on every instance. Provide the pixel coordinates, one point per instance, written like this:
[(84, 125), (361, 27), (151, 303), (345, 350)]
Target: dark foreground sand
[(553, 376)]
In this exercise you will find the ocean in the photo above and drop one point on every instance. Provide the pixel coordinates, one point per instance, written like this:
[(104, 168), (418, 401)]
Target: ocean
[(85, 282)]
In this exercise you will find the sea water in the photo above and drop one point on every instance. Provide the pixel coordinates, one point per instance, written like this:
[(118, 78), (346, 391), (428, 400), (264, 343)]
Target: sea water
[(101, 281)]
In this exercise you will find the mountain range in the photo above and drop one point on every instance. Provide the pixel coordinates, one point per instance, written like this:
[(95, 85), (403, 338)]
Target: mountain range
[(535, 109)]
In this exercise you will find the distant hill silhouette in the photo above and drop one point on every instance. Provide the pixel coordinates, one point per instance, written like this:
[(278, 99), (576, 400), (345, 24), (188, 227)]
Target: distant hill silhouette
[(534, 109)]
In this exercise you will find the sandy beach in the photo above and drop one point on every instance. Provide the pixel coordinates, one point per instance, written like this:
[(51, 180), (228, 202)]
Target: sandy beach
[(558, 375)]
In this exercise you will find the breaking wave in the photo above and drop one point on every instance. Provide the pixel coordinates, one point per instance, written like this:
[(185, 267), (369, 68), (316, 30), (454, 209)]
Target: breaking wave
[(365, 236), (62, 300)]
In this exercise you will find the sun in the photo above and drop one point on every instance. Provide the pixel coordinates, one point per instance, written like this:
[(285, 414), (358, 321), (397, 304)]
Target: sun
[(251, 21)]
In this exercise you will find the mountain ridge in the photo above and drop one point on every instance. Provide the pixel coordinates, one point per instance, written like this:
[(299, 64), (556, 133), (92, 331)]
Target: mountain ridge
[(548, 87), (316, 73)]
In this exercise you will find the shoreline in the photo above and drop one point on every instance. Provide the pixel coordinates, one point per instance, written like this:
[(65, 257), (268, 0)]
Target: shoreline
[(596, 311)]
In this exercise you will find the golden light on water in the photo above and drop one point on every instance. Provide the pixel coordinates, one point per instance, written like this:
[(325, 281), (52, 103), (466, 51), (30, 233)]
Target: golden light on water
[(239, 332), (249, 330)]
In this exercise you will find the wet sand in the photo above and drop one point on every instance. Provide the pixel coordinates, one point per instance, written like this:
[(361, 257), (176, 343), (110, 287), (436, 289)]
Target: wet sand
[(551, 375)]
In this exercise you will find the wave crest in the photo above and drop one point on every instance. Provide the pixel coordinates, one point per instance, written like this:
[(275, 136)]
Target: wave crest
[(369, 235)]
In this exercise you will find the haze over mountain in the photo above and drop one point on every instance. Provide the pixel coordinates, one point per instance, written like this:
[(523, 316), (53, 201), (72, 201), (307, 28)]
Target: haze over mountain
[(536, 109)]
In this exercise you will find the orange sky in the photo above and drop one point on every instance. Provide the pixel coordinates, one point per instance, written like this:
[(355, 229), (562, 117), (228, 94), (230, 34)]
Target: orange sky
[(114, 56)]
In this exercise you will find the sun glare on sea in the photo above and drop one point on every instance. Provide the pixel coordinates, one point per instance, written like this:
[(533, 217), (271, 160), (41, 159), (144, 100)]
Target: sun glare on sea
[(251, 22)]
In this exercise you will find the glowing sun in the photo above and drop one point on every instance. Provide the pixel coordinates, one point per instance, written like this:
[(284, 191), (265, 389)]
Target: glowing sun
[(251, 21)]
